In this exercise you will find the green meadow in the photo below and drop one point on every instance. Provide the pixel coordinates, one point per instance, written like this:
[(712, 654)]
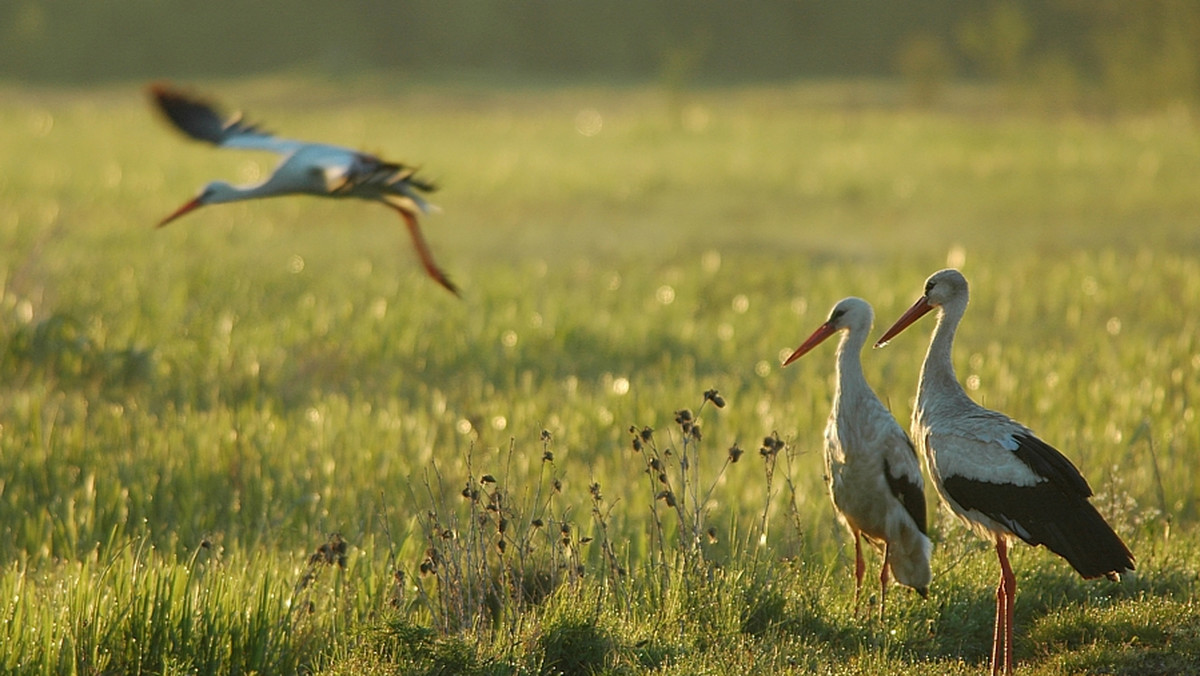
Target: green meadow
[(259, 440)]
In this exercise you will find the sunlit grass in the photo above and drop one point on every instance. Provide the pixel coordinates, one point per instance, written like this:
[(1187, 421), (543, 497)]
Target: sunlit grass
[(186, 415)]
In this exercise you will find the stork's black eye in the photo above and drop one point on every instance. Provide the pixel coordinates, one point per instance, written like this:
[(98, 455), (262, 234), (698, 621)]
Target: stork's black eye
[(836, 314), (928, 287)]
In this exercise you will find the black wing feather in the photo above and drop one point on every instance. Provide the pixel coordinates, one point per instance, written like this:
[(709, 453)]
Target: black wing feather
[(1047, 462), (1044, 514), (198, 119), (910, 495)]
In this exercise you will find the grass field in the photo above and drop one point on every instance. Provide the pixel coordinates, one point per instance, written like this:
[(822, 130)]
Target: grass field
[(241, 444)]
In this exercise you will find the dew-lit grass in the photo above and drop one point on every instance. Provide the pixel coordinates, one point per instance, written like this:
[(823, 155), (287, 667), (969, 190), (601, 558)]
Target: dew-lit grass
[(187, 415)]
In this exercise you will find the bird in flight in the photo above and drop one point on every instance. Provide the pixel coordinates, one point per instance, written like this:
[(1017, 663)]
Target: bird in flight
[(315, 169)]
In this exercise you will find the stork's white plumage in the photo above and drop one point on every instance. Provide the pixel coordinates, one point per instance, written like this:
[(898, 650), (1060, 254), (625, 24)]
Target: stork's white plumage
[(995, 473), (872, 471), (306, 169)]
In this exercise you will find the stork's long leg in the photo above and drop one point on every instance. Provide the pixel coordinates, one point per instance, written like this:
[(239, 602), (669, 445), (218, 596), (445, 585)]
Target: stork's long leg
[(1006, 592), (426, 256), (883, 579), (860, 568)]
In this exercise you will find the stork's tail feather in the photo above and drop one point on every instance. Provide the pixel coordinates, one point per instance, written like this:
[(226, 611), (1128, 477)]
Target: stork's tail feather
[(403, 181), (1087, 542), (909, 552)]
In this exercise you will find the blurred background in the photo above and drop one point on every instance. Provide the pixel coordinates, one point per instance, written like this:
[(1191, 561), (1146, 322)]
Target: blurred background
[(1091, 54)]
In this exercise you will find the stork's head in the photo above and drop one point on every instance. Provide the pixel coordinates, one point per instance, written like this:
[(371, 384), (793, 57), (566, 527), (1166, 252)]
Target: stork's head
[(850, 314), (213, 193), (944, 287)]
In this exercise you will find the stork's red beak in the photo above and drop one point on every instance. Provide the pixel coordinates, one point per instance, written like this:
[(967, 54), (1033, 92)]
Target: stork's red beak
[(918, 310), (823, 331), (188, 206)]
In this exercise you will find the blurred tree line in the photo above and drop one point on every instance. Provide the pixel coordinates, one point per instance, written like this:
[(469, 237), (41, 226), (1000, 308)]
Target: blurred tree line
[(1122, 52)]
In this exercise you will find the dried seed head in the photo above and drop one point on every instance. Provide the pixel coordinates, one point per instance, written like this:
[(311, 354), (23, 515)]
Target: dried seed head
[(646, 433), (548, 456), (683, 415), (502, 524), (637, 444), (487, 479), (557, 486), (662, 478), (656, 464), (594, 489), (584, 540), (537, 523), (502, 545), (696, 430), (771, 445), (715, 397), (735, 452), (545, 435), (712, 535)]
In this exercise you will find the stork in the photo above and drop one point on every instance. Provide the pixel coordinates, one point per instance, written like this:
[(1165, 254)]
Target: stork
[(306, 169), (873, 473), (995, 473)]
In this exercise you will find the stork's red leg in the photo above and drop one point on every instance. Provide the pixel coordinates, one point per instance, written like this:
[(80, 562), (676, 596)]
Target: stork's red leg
[(1005, 597), (859, 568), (414, 230), (1010, 591), (883, 579)]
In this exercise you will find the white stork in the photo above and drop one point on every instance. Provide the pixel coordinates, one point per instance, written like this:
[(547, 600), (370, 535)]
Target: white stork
[(872, 471), (306, 169), (995, 474)]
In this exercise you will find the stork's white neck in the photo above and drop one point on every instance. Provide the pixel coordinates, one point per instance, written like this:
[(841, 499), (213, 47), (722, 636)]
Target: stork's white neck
[(849, 357), (851, 383), (938, 383), (220, 192)]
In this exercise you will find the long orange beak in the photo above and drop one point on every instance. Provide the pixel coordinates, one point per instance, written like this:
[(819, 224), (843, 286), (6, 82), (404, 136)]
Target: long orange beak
[(823, 331), (919, 309), (188, 206)]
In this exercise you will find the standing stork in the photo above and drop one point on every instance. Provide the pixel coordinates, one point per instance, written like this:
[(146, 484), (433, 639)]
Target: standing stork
[(872, 471), (995, 474), (306, 169)]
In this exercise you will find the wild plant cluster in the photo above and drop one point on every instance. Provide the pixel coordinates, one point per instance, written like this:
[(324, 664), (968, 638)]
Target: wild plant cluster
[(495, 554)]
